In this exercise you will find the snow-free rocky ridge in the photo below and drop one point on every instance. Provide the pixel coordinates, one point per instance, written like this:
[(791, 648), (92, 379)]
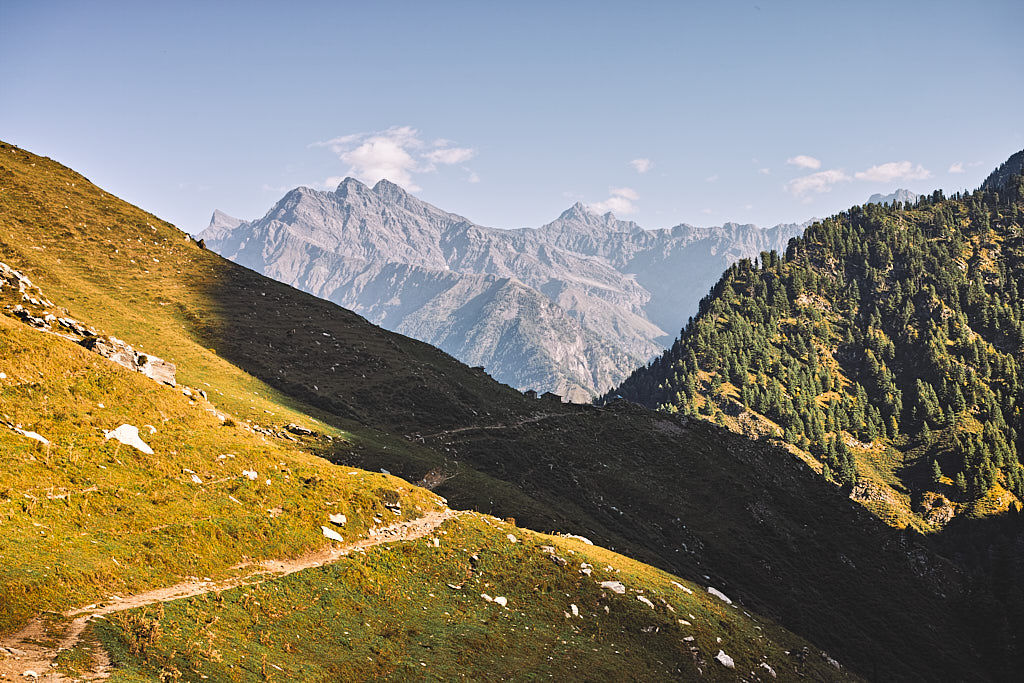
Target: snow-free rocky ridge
[(570, 307)]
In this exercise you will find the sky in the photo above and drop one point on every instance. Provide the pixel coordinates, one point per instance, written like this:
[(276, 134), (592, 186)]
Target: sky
[(664, 113)]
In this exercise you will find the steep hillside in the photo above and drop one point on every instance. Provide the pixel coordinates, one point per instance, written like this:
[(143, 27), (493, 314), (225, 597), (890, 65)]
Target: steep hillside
[(570, 307), (712, 507), (885, 344)]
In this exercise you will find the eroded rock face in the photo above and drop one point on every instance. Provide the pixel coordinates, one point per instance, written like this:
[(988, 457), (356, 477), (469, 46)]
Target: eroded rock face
[(571, 307), (25, 301)]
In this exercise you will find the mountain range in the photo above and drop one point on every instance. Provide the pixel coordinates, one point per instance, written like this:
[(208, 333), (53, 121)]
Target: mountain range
[(570, 307)]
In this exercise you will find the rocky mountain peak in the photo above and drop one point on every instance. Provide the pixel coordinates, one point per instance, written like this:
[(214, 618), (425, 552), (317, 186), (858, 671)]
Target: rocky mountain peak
[(350, 185), (390, 191), (578, 211), (221, 224), (900, 195)]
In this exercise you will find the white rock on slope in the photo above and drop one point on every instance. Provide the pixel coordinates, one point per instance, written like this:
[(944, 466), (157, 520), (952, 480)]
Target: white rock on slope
[(129, 436), (614, 586), (32, 435)]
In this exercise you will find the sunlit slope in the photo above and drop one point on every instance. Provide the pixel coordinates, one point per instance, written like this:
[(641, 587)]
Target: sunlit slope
[(85, 517), (470, 602)]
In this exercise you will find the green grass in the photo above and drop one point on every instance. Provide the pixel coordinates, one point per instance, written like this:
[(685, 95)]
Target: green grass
[(392, 614)]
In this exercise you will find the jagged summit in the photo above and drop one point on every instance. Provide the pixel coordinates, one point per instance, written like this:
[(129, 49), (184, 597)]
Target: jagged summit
[(221, 224), (900, 195), (578, 211), (350, 184), (385, 187)]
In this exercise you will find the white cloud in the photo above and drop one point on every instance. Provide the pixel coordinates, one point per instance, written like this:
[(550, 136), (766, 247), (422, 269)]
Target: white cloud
[(958, 167), (397, 154), (803, 161), (621, 202), (894, 170), (450, 155), (472, 177), (711, 178), (819, 182), (765, 171), (642, 165), (706, 212)]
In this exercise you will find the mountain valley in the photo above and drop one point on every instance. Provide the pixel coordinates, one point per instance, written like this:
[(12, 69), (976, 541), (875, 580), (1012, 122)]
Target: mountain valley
[(291, 384)]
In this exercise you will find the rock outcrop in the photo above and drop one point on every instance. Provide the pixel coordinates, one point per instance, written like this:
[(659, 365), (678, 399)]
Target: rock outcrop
[(25, 301)]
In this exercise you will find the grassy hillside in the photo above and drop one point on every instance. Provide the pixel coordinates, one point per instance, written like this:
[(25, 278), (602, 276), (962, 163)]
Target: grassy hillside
[(684, 496), (417, 611)]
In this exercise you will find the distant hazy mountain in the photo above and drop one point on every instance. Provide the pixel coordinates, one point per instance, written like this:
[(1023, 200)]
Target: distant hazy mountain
[(571, 307), (899, 195)]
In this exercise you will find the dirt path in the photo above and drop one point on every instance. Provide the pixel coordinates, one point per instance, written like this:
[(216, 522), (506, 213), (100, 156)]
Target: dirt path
[(35, 647), (528, 420)]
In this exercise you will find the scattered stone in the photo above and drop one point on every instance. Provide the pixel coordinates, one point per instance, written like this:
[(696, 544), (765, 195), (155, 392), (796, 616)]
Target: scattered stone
[(682, 587), (684, 622), (296, 429), (582, 539), (770, 670), (332, 534), (252, 475), (487, 597), (129, 436), (575, 610), (645, 601), (720, 595), (725, 660), (151, 428), (30, 674), (196, 479), (511, 538), (338, 519), (32, 435), (614, 586)]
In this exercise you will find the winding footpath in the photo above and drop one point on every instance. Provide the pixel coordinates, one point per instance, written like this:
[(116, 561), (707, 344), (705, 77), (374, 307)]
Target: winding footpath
[(34, 649)]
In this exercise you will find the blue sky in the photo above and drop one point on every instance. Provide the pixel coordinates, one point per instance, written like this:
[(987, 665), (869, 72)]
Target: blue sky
[(696, 112)]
